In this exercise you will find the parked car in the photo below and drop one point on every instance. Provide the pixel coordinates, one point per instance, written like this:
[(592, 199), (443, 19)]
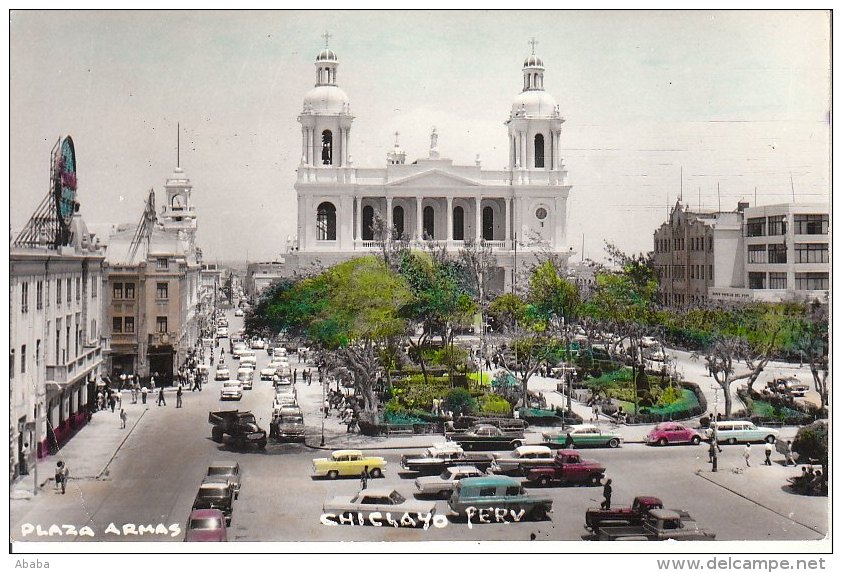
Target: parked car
[(258, 344), (440, 456), (231, 390), (375, 504), (659, 525), (667, 433), (443, 484), (596, 517), (497, 493), (488, 436), (522, 460), (222, 332), (240, 427), (267, 373), (206, 525), (584, 435), (230, 470), (348, 463), (222, 373), (734, 431), (790, 385), (568, 468), (216, 495)]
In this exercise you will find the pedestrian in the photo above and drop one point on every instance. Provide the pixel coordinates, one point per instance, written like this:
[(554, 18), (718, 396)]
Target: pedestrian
[(309, 377), (487, 363), (62, 473), (123, 417), (152, 382), (568, 442), (747, 454), (790, 457), (112, 401), (100, 401), (768, 460), (364, 478), (595, 410), (606, 493), (178, 397), (143, 392), (295, 376), (24, 454), (161, 397)]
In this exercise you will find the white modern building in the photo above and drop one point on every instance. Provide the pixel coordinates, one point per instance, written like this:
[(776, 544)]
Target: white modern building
[(522, 208), (261, 275)]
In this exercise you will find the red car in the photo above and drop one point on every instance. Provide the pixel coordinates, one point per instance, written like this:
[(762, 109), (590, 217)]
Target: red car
[(667, 433), (206, 525)]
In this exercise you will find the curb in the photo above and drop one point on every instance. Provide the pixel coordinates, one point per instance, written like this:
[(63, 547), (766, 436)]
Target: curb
[(123, 441)]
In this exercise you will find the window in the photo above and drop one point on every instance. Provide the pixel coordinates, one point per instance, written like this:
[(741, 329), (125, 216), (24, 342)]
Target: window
[(487, 492), (710, 272), (710, 243), (128, 325), (368, 223), (428, 221), (39, 295), (38, 352), (130, 291), (756, 227), (812, 253), (812, 281), (162, 291), (69, 289), (777, 225), (488, 224), (397, 221), (777, 253), (58, 292), (78, 289), (117, 291), (458, 224), (326, 222), (327, 147), (93, 286), (777, 280), (24, 297), (23, 359), (11, 363), (117, 325), (811, 224), (756, 280), (539, 150), (162, 264), (161, 325), (702, 270), (513, 490)]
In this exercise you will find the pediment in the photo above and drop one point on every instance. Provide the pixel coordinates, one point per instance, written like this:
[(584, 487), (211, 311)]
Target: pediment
[(434, 178)]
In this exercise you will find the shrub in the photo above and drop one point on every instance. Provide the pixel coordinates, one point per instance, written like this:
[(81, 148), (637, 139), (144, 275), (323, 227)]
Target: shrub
[(459, 401), (494, 404), (811, 441)]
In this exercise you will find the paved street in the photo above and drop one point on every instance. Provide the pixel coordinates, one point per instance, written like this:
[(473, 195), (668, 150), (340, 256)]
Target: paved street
[(156, 471)]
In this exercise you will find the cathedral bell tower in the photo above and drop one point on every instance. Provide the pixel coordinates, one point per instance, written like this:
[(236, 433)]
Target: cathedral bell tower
[(178, 213), (326, 117)]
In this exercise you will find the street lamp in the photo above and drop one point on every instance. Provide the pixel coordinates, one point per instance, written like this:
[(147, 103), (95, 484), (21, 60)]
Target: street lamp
[(324, 413), (714, 438)]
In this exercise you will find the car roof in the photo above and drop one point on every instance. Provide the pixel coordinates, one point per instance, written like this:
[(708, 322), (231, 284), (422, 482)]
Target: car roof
[(213, 484), (489, 481), (347, 453), (582, 426), (649, 499), (463, 469), (206, 513), (223, 464), (533, 450), (379, 491)]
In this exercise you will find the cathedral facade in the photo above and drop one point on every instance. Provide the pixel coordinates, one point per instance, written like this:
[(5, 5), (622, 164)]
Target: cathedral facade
[(517, 211)]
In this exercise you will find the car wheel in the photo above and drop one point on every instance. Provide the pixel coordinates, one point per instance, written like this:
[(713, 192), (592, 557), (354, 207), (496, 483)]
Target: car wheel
[(663, 442), (614, 443), (595, 479), (376, 473), (544, 481), (732, 441), (516, 444), (262, 444), (696, 440), (539, 513), (332, 474), (770, 439)]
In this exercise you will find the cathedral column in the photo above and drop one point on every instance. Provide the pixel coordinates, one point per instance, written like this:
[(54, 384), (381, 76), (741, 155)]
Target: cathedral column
[(345, 153), (304, 145), (478, 217), (388, 218), (419, 221), (508, 203), (449, 236), (357, 218)]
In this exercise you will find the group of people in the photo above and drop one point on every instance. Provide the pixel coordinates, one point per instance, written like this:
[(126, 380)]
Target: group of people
[(810, 482)]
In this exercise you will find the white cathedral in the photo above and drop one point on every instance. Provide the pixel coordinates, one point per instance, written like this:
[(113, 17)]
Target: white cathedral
[(517, 211)]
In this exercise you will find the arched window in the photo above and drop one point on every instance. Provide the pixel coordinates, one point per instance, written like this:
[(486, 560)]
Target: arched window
[(327, 147), (368, 223), (458, 224), (539, 150), (488, 224), (326, 222), (429, 222), (397, 221)]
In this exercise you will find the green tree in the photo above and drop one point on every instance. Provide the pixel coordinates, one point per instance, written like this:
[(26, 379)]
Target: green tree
[(812, 343)]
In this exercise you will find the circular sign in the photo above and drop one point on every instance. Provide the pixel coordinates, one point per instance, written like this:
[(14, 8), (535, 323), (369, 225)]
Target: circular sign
[(64, 180), (541, 213)]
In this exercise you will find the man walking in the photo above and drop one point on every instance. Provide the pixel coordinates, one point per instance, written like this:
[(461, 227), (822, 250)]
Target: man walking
[(161, 399), (364, 478), (178, 394), (714, 446), (143, 392), (62, 473), (568, 442), (768, 460), (606, 493), (747, 454), (790, 457), (123, 417)]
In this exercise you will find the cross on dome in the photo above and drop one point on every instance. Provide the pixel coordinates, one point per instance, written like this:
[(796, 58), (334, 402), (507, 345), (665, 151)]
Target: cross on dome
[(532, 42), (327, 36)]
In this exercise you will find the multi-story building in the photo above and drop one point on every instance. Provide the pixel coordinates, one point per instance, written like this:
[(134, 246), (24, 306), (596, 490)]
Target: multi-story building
[(55, 305), (260, 276), (153, 287), (694, 252), (517, 211)]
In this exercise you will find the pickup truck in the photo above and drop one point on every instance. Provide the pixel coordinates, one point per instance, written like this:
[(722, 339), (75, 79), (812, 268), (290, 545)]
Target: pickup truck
[(486, 436), (633, 514), (659, 525), (435, 459), (568, 467), (240, 427)]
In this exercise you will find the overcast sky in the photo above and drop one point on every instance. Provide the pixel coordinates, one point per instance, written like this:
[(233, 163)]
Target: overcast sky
[(739, 99)]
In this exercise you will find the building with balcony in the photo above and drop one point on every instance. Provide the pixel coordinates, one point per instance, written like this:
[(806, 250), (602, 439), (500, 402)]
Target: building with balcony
[(517, 211), (55, 324), (260, 276), (153, 299)]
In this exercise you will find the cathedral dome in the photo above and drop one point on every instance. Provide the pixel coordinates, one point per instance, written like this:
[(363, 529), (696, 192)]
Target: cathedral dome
[(326, 99), (326, 55), (534, 103), (533, 61)]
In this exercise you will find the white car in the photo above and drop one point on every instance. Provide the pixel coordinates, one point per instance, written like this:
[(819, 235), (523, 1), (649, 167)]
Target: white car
[(222, 373), (444, 484), (249, 361), (267, 373), (283, 371), (231, 390), (238, 312), (222, 332), (258, 344), (283, 401), (274, 363)]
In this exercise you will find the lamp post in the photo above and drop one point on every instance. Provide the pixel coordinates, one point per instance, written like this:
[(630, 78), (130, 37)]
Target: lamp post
[(714, 438), (324, 413)]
